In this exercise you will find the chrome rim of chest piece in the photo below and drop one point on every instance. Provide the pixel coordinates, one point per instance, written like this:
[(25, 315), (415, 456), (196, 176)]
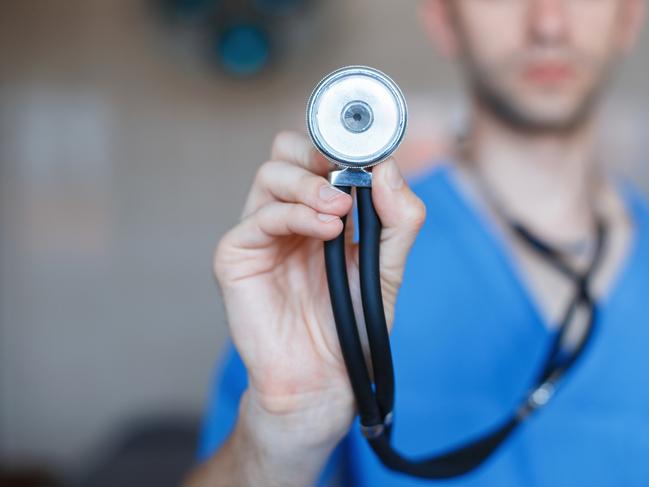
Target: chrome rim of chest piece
[(356, 116)]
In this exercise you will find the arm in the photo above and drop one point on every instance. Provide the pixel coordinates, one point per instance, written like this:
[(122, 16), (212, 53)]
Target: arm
[(270, 268), (264, 449)]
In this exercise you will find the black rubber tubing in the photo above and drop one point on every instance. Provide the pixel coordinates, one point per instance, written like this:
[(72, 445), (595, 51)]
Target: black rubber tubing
[(372, 297), (348, 337), (452, 464), (456, 462), (375, 401)]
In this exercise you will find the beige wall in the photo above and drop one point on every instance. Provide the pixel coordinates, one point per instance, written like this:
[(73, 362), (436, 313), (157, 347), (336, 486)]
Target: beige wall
[(123, 162)]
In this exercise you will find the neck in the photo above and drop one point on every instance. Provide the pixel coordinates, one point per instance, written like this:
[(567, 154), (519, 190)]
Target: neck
[(545, 181)]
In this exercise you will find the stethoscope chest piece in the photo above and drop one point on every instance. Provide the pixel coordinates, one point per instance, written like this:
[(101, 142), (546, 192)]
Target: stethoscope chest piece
[(356, 116)]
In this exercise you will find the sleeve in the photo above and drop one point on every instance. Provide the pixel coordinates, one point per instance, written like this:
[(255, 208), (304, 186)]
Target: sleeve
[(230, 382)]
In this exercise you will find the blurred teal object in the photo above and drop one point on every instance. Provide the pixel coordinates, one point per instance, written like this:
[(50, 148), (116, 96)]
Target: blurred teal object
[(244, 49)]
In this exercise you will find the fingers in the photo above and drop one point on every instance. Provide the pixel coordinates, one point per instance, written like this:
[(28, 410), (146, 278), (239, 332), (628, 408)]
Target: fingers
[(293, 149), (401, 213), (283, 181), (279, 219), (297, 149)]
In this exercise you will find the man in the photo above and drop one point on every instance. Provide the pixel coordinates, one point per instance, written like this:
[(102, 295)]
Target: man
[(479, 305)]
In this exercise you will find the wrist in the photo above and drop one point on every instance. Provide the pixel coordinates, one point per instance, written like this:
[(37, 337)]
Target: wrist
[(304, 420), (287, 447)]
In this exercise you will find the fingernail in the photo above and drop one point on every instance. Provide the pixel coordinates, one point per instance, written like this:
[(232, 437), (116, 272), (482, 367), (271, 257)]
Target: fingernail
[(326, 218), (328, 192), (393, 175)]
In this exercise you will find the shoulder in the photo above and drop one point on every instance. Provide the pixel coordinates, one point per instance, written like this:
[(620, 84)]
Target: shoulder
[(434, 177), (450, 215), (228, 384), (456, 242), (436, 187)]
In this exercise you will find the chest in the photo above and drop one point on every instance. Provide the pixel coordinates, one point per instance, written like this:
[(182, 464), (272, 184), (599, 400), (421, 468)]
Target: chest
[(467, 344), (468, 339)]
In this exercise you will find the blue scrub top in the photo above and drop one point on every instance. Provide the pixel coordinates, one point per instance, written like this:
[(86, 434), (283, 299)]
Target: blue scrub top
[(468, 342)]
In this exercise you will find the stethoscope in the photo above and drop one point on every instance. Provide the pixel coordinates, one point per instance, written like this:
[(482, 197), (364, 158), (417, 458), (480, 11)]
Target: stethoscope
[(356, 117)]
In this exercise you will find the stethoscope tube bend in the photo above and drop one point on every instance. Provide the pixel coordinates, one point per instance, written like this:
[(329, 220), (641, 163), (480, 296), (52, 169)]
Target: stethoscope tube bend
[(356, 117), (375, 398)]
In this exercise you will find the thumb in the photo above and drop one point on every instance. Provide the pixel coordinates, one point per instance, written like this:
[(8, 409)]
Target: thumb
[(402, 214)]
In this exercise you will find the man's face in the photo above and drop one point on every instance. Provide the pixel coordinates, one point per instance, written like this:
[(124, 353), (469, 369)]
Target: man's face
[(539, 64)]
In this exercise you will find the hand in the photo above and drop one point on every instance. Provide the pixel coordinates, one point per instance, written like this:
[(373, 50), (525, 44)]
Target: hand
[(270, 269)]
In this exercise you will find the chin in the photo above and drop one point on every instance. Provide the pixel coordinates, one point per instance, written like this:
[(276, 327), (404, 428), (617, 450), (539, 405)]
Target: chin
[(549, 112), (537, 110)]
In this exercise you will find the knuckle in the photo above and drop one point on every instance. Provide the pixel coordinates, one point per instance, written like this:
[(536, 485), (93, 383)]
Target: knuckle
[(218, 260), (300, 216), (295, 213), (280, 138), (261, 176), (284, 140), (292, 146), (306, 182), (417, 213)]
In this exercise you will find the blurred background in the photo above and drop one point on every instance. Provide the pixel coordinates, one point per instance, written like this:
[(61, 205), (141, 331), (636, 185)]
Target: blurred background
[(130, 131)]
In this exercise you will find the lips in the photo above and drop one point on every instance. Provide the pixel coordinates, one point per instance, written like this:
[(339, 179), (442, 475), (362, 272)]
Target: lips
[(549, 73)]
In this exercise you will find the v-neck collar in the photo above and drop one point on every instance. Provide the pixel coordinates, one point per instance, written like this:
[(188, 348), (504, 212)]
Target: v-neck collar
[(502, 250)]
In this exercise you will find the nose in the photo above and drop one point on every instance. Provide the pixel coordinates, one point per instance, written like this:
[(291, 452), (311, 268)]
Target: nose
[(548, 21)]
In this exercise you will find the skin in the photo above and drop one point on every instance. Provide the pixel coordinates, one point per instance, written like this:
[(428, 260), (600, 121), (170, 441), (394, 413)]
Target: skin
[(537, 157), (271, 273), (533, 87), (542, 73)]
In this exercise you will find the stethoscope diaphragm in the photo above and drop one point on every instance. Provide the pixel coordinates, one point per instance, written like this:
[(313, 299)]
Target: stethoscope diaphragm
[(356, 116)]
